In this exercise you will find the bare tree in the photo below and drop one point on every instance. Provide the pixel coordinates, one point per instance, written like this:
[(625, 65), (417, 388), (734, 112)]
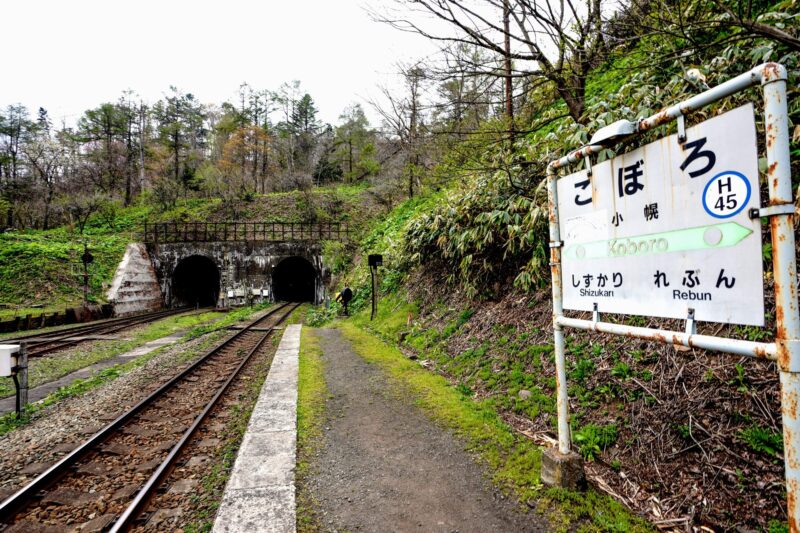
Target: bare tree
[(560, 41), (45, 156), (404, 116)]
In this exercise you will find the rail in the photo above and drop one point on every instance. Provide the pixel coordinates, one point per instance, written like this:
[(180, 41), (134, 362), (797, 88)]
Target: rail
[(46, 343), (28, 494), (176, 232)]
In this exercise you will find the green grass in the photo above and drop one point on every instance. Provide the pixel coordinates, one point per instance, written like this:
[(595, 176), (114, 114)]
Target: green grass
[(311, 395), (11, 312), (45, 369), (592, 439), (43, 267), (513, 461), (763, 440), (298, 316), (10, 421)]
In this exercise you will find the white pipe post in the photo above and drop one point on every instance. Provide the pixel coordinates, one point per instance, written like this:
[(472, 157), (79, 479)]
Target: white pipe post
[(562, 401), (779, 181)]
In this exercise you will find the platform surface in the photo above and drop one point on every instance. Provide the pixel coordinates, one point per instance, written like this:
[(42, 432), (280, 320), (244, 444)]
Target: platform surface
[(260, 493)]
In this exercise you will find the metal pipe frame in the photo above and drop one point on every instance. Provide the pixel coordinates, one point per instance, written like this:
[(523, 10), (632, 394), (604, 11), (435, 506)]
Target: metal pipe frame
[(786, 348)]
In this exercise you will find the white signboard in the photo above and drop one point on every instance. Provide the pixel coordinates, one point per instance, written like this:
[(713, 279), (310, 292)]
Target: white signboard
[(666, 228)]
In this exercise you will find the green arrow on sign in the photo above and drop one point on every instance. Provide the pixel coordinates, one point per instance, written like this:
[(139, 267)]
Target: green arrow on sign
[(699, 238)]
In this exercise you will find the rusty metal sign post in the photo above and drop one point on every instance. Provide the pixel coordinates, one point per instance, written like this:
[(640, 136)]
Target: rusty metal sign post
[(726, 197)]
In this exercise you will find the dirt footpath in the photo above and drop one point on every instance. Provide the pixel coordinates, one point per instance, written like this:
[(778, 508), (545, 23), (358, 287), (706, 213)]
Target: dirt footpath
[(384, 466)]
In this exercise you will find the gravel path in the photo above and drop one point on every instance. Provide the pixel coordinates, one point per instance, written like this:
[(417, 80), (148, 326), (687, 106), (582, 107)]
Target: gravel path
[(384, 466)]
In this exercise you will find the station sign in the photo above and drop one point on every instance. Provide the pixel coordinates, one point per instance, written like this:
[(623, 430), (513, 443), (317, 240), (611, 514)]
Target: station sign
[(666, 228)]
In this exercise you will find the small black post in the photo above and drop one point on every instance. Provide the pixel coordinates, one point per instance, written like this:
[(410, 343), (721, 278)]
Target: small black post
[(23, 373), (374, 261), (86, 258), (374, 272)]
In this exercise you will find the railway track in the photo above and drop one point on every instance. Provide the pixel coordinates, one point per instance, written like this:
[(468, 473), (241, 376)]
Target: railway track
[(43, 344), (108, 480)]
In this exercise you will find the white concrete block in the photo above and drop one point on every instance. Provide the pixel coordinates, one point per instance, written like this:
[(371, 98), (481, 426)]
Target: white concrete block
[(262, 510)]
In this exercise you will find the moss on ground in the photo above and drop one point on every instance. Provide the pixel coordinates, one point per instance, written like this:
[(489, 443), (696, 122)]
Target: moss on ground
[(311, 395), (513, 461)]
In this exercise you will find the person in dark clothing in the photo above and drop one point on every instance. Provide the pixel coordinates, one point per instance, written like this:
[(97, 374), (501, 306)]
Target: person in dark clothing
[(344, 297)]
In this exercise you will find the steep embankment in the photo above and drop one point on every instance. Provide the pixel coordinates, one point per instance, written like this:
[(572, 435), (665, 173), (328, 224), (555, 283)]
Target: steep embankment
[(683, 437)]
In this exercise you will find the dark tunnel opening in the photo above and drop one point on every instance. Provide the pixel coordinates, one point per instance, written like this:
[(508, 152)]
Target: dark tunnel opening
[(294, 280), (195, 282)]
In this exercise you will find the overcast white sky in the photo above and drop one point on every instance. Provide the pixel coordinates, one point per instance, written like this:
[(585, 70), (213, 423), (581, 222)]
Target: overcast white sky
[(69, 56)]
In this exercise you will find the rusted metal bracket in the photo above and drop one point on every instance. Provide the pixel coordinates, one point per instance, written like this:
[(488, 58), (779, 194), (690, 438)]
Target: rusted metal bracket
[(773, 210), (681, 129), (691, 325)]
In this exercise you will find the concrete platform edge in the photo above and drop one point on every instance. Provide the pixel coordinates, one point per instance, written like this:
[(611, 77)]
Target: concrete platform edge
[(259, 496)]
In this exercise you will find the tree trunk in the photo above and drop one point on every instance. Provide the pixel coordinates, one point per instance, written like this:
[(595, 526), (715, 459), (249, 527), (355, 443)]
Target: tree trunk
[(47, 207), (509, 88), (141, 144), (350, 157), (128, 161), (574, 102)]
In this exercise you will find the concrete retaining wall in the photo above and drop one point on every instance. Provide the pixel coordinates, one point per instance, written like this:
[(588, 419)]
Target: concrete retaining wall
[(135, 288)]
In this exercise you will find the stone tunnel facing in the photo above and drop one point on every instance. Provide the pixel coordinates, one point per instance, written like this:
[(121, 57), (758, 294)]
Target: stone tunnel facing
[(294, 280), (195, 282)]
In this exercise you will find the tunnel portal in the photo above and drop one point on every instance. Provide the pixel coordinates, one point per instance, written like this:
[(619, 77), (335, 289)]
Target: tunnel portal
[(195, 282), (294, 280)]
